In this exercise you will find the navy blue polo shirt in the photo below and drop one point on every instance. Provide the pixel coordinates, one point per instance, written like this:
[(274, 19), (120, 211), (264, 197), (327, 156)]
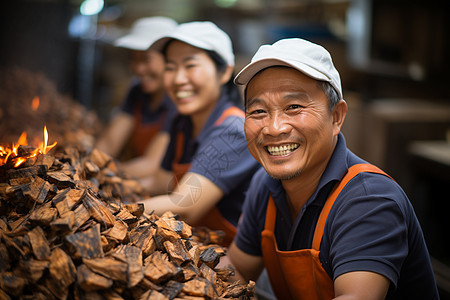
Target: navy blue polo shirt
[(220, 154), (139, 102), (371, 227)]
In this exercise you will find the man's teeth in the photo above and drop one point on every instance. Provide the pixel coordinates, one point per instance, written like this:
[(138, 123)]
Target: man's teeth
[(184, 94), (282, 150)]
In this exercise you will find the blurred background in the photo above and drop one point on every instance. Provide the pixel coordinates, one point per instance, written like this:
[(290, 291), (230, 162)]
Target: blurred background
[(393, 57)]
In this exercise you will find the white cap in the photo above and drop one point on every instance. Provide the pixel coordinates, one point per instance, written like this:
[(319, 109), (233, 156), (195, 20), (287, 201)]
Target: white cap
[(145, 31), (204, 35), (309, 58)]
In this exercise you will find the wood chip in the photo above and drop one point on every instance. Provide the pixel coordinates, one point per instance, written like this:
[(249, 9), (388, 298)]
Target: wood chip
[(62, 268), (60, 179), (90, 281), (108, 267), (199, 287), (65, 223), (39, 243), (133, 257), (118, 232), (153, 295), (177, 251), (210, 257), (44, 215), (33, 268), (86, 244), (98, 210), (67, 199), (158, 269), (142, 237)]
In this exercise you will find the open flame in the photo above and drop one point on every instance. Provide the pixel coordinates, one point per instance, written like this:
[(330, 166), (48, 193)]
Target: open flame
[(11, 153), (35, 103)]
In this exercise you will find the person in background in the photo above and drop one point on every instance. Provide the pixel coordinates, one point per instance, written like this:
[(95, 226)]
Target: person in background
[(207, 162), (323, 222), (142, 123)]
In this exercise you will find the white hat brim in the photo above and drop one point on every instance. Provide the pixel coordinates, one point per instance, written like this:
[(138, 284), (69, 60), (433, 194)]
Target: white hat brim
[(247, 73), (132, 42)]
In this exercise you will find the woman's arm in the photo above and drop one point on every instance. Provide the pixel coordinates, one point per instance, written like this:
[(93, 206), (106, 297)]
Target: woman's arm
[(194, 196), (149, 163), (159, 183)]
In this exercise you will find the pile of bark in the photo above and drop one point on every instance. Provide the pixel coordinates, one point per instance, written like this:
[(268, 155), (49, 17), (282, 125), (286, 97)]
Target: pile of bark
[(66, 233)]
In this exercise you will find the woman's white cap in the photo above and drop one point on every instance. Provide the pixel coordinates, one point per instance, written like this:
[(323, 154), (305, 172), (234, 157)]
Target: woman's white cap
[(145, 31), (204, 35), (309, 58)]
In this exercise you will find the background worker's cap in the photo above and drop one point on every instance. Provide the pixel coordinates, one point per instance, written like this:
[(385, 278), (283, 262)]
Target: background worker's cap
[(204, 35), (145, 31), (309, 58)]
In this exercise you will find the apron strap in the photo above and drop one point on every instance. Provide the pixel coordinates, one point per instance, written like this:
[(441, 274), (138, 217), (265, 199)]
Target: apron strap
[(270, 215), (352, 172), (179, 147), (231, 111)]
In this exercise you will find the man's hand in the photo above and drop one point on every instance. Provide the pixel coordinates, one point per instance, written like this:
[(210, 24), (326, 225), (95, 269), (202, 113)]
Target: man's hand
[(248, 267)]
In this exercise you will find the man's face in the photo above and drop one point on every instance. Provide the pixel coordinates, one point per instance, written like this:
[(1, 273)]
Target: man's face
[(288, 125)]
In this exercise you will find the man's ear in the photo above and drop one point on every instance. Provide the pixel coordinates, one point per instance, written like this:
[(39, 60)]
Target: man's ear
[(226, 75), (338, 115)]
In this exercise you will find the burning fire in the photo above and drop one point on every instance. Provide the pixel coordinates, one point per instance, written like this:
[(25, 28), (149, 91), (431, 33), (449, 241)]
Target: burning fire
[(11, 153), (35, 103)]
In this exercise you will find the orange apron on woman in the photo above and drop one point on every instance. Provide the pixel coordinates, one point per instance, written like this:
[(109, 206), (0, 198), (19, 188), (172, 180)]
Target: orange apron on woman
[(213, 219), (299, 274), (143, 133)]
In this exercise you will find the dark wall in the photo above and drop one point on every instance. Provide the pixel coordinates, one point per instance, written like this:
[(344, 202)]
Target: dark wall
[(34, 35)]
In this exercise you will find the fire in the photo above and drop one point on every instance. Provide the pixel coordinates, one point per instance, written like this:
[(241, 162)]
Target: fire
[(11, 153), (35, 103)]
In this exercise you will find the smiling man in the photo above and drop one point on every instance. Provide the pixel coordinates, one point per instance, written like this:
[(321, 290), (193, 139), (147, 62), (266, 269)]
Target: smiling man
[(323, 222)]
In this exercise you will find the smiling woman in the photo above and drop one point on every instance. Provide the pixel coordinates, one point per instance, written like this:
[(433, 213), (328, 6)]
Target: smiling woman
[(138, 133), (207, 167), (188, 75)]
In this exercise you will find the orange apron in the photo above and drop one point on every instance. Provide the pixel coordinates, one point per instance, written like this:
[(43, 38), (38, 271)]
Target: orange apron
[(143, 133), (299, 274), (213, 219)]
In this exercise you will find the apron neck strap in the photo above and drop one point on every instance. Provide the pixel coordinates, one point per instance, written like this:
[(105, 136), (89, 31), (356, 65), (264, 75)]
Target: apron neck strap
[(352, 172)]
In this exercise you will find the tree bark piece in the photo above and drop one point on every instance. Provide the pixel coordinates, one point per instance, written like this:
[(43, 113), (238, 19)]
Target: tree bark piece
[(39, 243), (177, 251), (133, 257), (210, 257), (158, 269), (67, 199), (118, 232), (33, 268), (90, 281), (44, 215), (98, 210), (142, 237), (109, 267), (60, 179), (86, 244), (38, 189), (199, 287), (62, 268)]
